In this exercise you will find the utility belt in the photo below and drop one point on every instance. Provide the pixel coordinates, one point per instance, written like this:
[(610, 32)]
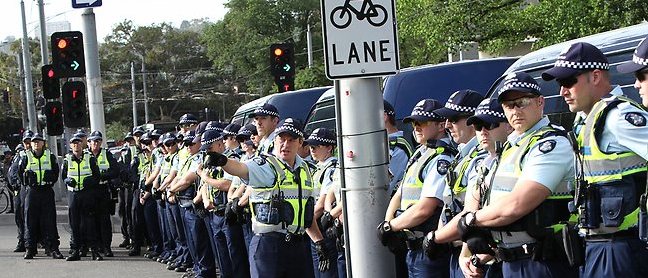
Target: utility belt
[(271, 213), (625, 234), (515, 253), (605, 206), (288, 237), (218, 210), (414, 244), (184, 201)]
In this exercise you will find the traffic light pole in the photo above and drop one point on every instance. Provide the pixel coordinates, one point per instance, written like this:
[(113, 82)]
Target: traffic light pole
[(93, 75), (29, 87), (51, 140), (134, 97)]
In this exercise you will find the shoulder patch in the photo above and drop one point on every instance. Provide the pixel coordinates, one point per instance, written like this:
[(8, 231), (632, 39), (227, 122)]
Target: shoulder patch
[(442, 166), (259, 160), (635, 119), (547, 146)]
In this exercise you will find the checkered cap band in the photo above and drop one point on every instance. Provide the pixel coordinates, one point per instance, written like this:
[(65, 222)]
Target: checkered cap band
[(638, 60), (207, 142), (290, 128), (426, 114), (459, 108), (391, 113), (267, 112), (512, 85), (486, 111), (581, 65), (245, 132), (323, 140), (227, 132), (220, 129)]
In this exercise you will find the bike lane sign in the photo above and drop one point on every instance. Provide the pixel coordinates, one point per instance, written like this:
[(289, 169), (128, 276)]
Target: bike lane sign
[(360, 38)]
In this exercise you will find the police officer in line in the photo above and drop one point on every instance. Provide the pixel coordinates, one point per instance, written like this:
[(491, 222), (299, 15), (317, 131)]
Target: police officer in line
[(125, 188), (461, 105), (266, 118), (282, 203), (321, 143), (146, 223), (19, 201), (639, 66), (108, 171), (226, 237), (229, 138), (163, 169), (81, 176), (416, 207), (333, 205), (38, 171), (152, 213), (183, 191), (524, 205), (612, 139), (183, 259), (187, 123), (399, 149), (491, 127)]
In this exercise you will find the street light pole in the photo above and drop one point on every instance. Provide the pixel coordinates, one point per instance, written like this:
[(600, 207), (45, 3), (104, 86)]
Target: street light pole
[(133, 94), (146, 110), (29, 89)]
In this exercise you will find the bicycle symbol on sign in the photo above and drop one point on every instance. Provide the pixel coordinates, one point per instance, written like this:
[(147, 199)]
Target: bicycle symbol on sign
[(375, 14)]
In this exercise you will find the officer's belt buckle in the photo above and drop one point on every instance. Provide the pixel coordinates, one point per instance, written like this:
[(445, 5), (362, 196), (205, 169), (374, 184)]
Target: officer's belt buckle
[(288, 237)]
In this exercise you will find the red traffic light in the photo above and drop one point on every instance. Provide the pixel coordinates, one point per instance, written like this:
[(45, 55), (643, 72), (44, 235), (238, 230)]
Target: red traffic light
[(50, 73), (62, 44)]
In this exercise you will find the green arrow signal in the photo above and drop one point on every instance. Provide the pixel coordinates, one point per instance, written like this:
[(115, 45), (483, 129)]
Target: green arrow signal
[(75, 65), (286, 68)]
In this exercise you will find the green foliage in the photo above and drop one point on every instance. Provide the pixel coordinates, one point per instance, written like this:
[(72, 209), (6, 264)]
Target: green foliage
[(312, 77), (116, 130)]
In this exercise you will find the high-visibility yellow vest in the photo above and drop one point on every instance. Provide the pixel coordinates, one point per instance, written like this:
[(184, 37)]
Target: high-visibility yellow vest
[(38, 165), (78, 171)]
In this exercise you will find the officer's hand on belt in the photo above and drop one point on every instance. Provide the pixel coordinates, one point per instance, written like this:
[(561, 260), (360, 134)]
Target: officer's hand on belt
[(324, 262), (479, 240), (30, 177), (215, 159), (431, 248), (326, 220), (70, 182), (199, 209)]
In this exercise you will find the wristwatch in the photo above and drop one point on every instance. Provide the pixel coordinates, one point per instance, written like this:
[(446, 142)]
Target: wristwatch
[(386, 227), (470, 218)]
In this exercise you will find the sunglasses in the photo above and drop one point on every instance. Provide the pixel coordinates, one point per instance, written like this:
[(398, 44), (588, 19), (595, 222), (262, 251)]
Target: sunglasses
[(567, 82), (187, 125), (488, 126), (169, 144), (521, 103), (421, 124), (641, 75)]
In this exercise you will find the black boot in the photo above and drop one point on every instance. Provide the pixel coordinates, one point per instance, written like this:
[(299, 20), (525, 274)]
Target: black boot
[(31, 252), (96, 256), (56, 254), (20, 247), (135, 251), (83, 252), (74, 257), (125, 243), (109, 252)]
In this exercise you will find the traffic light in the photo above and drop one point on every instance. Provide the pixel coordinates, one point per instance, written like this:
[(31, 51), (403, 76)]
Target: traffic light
[(285, 83), (74, 104), (54, 114), (51, 85), (282, 59), (67, 54)]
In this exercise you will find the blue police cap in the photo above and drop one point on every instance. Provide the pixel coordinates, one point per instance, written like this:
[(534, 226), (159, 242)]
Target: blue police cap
[(168, 137), (518, 81), (388, 108), (231, 129), (129, 136), (138, 131), (462, 102), (291, 126), (200, 128), (639, 59), (578, 57), (27, 135), (156, 133), (424, 111), (322, 136), (208, 137), (37, 136), (188, 119), (489, 111), (75, 138), (266, 109), (215, 125), (189, 137), (246, 132), (95, 135), (146, 138)]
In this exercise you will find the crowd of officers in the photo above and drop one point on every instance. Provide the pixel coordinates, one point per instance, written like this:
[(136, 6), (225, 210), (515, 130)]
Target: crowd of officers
[(493, 188)]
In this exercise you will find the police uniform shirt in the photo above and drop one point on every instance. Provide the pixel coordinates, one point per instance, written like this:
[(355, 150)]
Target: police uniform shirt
[(327, 177), (579, 120), (266, 144), (262, 175), (434, 175), (397, 162), (552, 154), (465, 150), (625, 129), (195, 162), (483, 159)]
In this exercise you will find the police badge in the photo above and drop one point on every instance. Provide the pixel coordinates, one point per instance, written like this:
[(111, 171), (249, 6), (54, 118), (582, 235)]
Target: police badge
[(547, 146), (635, 119)]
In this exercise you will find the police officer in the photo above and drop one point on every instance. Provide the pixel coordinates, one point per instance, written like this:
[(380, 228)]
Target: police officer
[(639, 66), (322, 144), (183, 191), (14, 176), (612, 140), (399, 149), (108, 171), (187, 123), (229, 137), (227, 239), (145, 215), (81, 176), (415, 208), (125, 189), (281, 185), (167, 223), (37, 172), (524, 201), (491, 127), (266, 118)]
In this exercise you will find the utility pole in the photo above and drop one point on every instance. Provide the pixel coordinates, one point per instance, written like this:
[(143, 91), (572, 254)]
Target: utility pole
[(146, 111), (309, 42), (133, 94), (93, 76), (29, 89), (23, 94), (51, 140)]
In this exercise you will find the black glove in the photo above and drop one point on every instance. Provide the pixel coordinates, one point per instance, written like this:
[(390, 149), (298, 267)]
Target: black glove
[(157, 194), (29, 178), (199, 210), (324, 262), (331, 232), (395, 241), (431, 248), (326, 221), (230, 215), (214, 159), (384, 232), (70, 182), (481, 242)]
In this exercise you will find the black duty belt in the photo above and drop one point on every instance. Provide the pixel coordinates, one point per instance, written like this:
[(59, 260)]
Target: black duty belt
[(414, 244), (632, 233), (516, 253)]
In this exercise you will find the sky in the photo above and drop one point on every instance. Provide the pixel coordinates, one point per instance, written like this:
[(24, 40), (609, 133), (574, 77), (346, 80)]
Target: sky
[(112, 12)]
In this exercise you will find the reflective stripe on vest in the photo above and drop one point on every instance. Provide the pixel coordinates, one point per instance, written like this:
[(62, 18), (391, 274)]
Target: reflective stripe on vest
[(145, 166), (318, 176), (598, 166), (165, 168), (78, 171), (102, 160), (401, 143), (38, 165), (412, 184), (295, 192), (456, 185)]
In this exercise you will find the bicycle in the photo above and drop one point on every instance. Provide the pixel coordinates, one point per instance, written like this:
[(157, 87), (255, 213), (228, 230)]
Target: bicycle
[(375, 14), (4, 194)]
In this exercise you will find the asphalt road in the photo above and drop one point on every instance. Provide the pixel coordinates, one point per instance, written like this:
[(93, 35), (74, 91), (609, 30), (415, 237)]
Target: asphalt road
[(13, 265)]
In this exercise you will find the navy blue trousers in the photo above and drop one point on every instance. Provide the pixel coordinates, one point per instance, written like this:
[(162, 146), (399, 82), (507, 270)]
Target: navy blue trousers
[(419, 265), (271, 256), (218, 241), (540, 269), (150, 213), (237, 250), (40, 217), (176, 223), (168, 242), (625, 258), (332, 256), (198, 242)]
